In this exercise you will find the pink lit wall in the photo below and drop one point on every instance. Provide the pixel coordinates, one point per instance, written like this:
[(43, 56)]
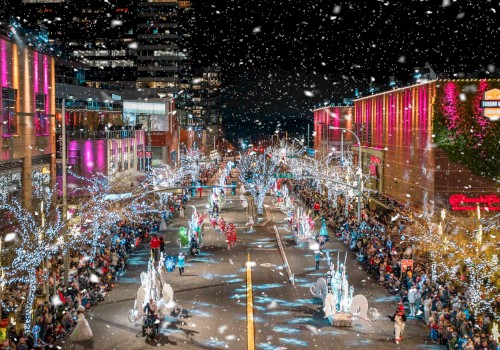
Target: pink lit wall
[(338, 117), (398, 123)]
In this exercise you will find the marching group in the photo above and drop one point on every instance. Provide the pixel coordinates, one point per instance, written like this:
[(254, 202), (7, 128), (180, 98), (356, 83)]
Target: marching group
[(445, 308)]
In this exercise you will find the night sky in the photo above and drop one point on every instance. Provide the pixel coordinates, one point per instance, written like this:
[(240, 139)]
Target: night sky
[(282, 58)]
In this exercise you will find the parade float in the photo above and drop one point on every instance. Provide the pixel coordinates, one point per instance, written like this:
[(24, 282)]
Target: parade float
[(302, 226), (284, 202), (336, 295), (154, 286), (192, 237)]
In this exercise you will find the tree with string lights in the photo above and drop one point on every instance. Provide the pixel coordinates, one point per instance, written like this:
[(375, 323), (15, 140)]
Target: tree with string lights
[(257, 172), (38, 236)]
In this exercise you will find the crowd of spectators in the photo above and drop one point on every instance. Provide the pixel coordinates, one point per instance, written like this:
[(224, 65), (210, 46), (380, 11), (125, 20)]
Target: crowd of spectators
[(90, 278), (379, 244)]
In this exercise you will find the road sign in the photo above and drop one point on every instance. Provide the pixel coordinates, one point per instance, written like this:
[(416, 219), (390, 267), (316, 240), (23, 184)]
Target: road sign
[(283, 176)]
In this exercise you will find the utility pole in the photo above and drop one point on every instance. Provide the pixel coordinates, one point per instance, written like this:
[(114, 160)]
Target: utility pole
[(308, 132)]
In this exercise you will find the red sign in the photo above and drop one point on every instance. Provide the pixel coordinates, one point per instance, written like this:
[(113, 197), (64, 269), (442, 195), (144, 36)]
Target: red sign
[(375, 160), (148, 154), (405, 264), (462, 202), (140, 154)]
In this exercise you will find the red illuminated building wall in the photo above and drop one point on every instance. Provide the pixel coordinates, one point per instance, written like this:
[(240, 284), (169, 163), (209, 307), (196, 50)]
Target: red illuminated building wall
[(326, 138), (397, 129)]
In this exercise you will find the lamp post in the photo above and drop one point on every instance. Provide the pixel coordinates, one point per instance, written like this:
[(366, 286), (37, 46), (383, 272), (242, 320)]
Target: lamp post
[(64, 188), (359, 172)]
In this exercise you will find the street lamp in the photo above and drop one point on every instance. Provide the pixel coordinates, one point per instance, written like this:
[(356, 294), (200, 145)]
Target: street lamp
[(359, 172)]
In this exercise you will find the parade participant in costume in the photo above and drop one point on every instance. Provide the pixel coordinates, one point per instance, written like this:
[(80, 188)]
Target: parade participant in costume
[(213, 221), (222, 224), (181, 262), (228, 238), (155, 247), (82, 331), (250, 224), (399, 324), (194, 246), (151, 311), (232, 231)]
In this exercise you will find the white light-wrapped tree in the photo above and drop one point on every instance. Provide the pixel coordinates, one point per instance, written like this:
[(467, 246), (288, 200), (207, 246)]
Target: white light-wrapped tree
[(98, 210), (190, 164), (35, 239), (257, 173)]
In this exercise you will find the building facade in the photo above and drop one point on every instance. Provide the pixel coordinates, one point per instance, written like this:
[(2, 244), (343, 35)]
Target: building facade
[(327, 139), (163, 55), (27, 157), (99, 33), (404, 134)]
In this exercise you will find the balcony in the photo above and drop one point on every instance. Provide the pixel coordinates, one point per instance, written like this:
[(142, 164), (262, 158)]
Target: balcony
[(100, 135)]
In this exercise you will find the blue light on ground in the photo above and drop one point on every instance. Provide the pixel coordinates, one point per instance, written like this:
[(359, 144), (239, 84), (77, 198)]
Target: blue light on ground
[(301, 320), (278, 313), (235, 280), (137, 261), (238, 296), (302, 280), (197, 312), (387, 299), (293, 341), (265, 346), (128, 280), (215, 343), (286, 330), (199, 303), (204, 260)]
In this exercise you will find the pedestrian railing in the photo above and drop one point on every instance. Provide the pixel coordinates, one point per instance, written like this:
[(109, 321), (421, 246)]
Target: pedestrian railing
[(291, 276)]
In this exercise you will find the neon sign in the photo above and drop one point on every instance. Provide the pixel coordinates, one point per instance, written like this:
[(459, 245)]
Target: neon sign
[(462, 202)]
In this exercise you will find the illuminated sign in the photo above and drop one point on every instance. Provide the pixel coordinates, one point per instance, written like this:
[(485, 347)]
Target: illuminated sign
[(462, 202), (491, 104)]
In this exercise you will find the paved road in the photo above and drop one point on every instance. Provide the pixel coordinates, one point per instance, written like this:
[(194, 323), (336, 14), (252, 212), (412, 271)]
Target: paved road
[(213, 294)]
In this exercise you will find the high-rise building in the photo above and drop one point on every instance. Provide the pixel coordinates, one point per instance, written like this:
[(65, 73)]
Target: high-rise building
[(99, 33), (163, 55)]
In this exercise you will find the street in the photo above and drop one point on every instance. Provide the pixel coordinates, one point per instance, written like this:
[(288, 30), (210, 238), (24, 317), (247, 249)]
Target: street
[(212, 293)]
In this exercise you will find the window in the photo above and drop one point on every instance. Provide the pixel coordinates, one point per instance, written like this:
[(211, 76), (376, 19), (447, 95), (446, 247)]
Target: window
[(41, 119), (9, 118)]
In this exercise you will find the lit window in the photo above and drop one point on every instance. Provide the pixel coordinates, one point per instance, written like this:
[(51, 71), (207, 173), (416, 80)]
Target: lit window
[(9, 118), (41, 119)]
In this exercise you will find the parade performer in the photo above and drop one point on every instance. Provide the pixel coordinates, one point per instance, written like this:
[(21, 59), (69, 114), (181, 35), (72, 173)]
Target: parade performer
[(213, 221), (180, 263), (231, 234), (323, 237), (250, 224), (222, 224), (183, 237), (82, 331), (194, 246)]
